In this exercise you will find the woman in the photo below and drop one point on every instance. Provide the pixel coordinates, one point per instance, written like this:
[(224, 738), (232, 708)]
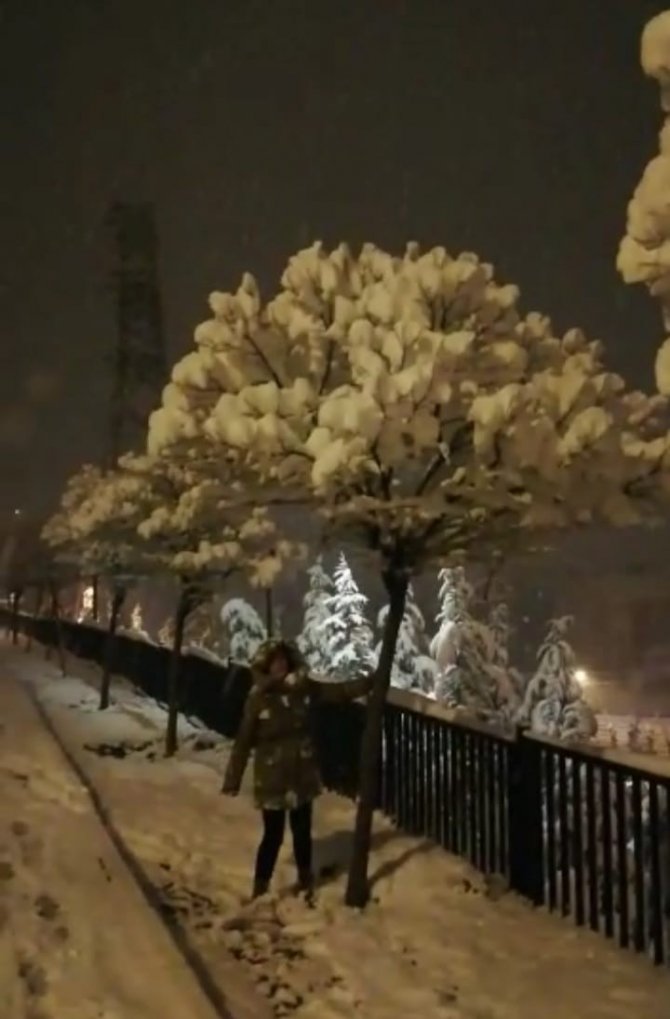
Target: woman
[(277, 723)]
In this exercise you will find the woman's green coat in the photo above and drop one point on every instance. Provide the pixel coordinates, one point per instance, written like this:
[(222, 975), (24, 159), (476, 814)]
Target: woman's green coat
[(278, 725)]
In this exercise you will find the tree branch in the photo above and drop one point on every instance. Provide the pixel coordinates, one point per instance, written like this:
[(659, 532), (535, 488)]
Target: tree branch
[(330, 356), (265, 362)]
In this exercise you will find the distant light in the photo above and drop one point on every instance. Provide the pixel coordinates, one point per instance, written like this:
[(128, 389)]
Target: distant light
[(17, 512), (582, 677), (87, 604)]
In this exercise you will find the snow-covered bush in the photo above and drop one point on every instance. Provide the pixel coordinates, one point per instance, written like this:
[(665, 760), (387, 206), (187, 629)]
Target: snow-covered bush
[(644, 252), (409, 406), (244, 628), (165, 635), (634, 736), (553, 703), (313, 636), (136, 622), (347, 634), (204, 631), (413, 667)]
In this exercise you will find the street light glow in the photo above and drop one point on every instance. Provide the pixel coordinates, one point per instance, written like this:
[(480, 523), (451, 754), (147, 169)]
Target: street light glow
[(582, 677)]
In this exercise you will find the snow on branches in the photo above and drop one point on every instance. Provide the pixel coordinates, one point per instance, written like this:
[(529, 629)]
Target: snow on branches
[(472, 656), (151, 515), (345, 630), (412, 403), (244, 629), (314, 635), (96, 524), (190, 527), (644, 252)]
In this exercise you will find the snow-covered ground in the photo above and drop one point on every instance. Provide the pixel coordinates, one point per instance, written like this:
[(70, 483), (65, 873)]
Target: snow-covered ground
[(437, 941), (77, 940)]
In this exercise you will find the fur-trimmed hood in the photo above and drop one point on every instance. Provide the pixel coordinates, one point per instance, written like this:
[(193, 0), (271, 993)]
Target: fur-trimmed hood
[(297, 676)]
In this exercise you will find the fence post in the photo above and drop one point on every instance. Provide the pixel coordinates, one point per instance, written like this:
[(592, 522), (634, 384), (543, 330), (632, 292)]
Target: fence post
[(526, 842)]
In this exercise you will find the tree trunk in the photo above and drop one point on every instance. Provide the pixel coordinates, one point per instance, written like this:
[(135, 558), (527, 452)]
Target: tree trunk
[(269, 612), (95, 608), (16, 603), (60, 643), (118, 598), (50, 615), (488, 586), (39, 599), (184, 607), (358, 889)]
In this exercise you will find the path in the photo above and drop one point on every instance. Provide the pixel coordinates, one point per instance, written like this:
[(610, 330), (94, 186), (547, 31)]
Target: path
[(76, 936)]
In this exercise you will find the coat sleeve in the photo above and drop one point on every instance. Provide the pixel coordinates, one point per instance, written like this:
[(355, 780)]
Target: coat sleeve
[(340, 693), (244, 742)]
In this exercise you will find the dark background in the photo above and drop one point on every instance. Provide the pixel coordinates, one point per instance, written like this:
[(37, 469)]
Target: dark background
[(517, 130)]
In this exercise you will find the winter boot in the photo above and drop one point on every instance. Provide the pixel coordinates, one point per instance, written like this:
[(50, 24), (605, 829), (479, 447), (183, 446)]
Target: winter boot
[(260, 888), (306, 886)]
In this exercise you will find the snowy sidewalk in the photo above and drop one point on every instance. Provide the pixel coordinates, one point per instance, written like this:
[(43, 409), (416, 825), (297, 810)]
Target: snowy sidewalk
[(77, 940), (436, 942)]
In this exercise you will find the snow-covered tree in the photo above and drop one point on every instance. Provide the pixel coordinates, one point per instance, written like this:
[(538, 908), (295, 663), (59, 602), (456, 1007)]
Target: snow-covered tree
[(500, 629), (413, 667), (193, 534), (465, 651), (455, 595), (553, 703), (152, 515), (644, 252), (313, 635), (244, 628), (507, 677), (95, 528), (407, 404), (347, 634)]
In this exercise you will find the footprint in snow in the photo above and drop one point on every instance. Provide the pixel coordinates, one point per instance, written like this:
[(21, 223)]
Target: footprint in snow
[(30, 845), (46, 907), (33, 977), (7, 871)]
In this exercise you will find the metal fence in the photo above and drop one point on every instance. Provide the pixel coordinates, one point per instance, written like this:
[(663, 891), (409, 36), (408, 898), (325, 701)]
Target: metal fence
[(209, 691), (579, 831)]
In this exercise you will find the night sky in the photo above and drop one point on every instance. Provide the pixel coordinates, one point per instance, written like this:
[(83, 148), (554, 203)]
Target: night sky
[(516, 130)]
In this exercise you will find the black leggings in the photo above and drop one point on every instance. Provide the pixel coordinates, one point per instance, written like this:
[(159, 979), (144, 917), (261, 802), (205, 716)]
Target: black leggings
[(274, 824)]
